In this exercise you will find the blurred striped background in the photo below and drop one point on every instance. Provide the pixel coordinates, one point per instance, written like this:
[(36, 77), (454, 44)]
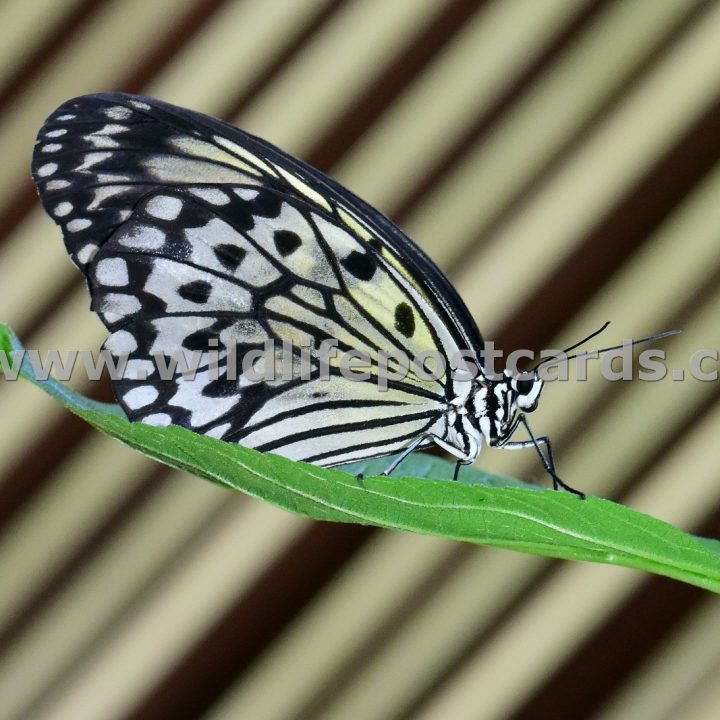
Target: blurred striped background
[(559, 159)]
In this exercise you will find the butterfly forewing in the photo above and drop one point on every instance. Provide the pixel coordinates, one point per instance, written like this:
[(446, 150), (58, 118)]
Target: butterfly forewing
[(195, 236)]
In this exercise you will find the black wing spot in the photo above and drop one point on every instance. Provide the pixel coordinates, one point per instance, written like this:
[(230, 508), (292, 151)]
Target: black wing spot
[(360, 265), (222, 387), (405, 319), (197, 291), (286, 242), (230, 256), (199, 341), (267, 203)]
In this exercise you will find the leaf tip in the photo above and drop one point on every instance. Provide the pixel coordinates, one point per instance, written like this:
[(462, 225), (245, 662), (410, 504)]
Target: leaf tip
[(6, 346)]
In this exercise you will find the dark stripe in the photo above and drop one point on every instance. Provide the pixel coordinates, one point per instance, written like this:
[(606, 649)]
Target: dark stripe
[(613, 240), (312, 330), (147, 67), (170, 45), (486, 122), (344, 348), (347, 427), (394, 621), (68, 572), (386, 451), (285, 56), (63, 34), (307, 409), (134, 605), (258, 617), (38, 462), (392, 79), (160, 152), (382, 447)]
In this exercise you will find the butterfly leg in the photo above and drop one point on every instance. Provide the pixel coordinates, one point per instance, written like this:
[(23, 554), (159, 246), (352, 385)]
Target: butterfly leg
[(409, 449), (458, 465), (547, 460)]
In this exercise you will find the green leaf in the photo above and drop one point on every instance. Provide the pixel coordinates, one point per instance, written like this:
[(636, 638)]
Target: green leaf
[(483, 509), (6, 342), (10, 345)]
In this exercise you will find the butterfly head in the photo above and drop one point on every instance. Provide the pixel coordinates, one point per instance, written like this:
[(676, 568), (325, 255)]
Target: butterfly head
[(526, 390), (499, 403)]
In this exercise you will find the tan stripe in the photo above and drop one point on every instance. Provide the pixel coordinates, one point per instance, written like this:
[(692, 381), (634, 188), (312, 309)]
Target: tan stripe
[(30, 33)]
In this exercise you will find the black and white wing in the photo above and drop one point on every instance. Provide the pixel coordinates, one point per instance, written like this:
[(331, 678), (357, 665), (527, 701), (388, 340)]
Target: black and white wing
[(195, 236)]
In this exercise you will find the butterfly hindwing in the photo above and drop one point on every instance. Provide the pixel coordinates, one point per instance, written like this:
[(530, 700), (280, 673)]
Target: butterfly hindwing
[(186, 295)]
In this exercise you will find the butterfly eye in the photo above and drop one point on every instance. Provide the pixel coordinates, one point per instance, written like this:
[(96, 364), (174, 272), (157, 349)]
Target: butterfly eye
[(524, 387)]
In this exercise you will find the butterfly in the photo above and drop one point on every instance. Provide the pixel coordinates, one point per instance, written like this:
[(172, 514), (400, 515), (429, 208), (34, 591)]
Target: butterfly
[(196, 236)]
